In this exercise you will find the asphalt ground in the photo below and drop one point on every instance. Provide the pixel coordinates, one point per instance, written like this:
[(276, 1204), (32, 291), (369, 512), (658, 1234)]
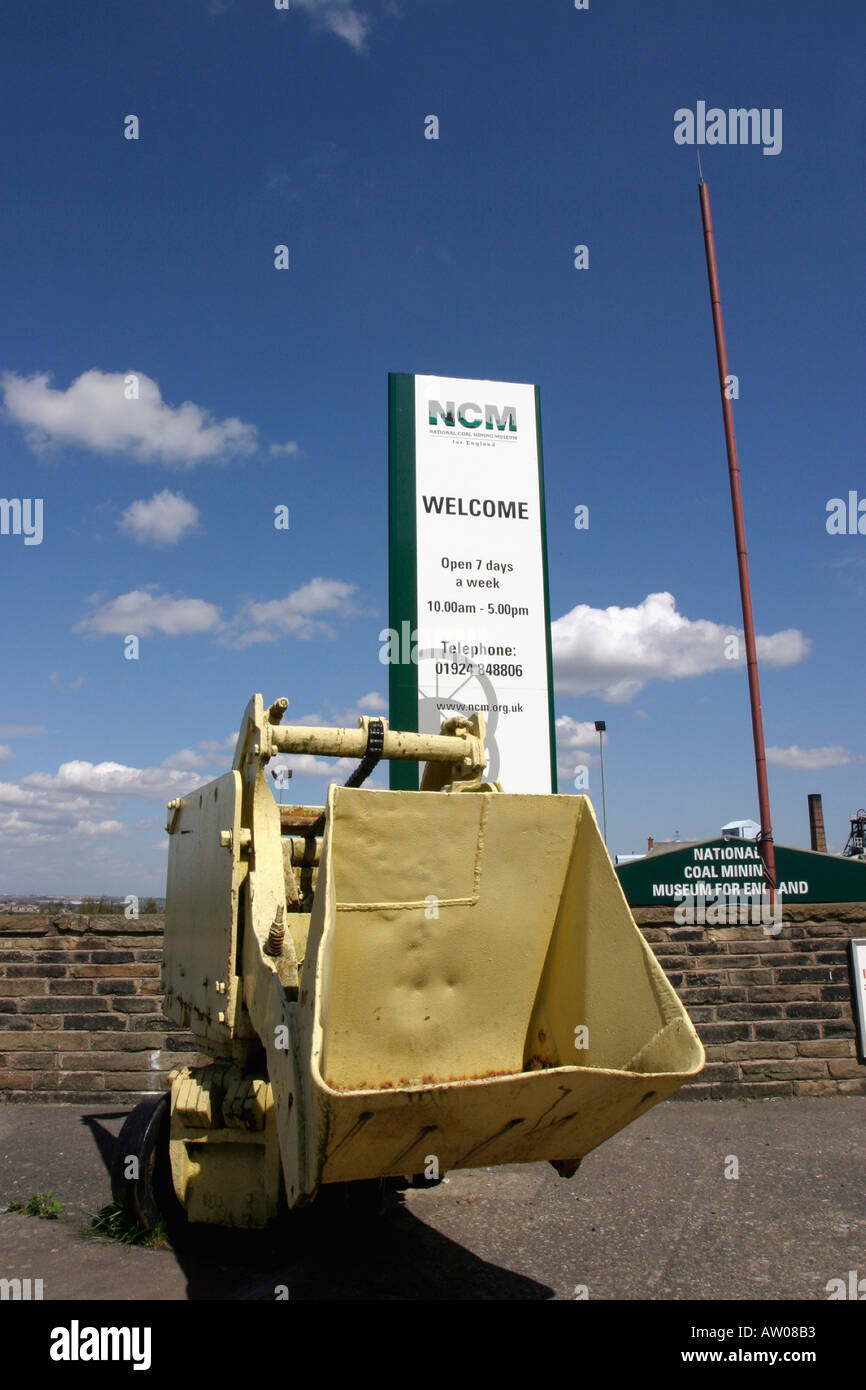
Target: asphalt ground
[(655, 1214)]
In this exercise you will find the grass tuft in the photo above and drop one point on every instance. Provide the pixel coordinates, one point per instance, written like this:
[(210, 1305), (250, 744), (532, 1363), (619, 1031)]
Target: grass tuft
[(112, 1223), (45, 1205)]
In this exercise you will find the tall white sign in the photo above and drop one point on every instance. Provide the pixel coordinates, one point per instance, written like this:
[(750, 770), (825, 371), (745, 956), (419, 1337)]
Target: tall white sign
[(480, 592)]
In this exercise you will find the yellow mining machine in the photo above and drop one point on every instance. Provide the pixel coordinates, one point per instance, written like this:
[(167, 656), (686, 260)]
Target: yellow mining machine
[(394, 985)]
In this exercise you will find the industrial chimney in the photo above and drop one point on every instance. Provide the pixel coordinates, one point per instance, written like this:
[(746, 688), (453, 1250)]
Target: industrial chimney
[(816, 823)]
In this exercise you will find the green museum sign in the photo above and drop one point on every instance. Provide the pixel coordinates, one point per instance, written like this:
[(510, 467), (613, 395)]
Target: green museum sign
[(731, 869)]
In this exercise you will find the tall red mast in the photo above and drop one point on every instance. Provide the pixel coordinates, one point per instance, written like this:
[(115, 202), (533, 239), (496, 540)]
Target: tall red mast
[(767, 851)]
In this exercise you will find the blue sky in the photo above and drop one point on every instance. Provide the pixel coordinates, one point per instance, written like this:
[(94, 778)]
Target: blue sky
[(261, 388)]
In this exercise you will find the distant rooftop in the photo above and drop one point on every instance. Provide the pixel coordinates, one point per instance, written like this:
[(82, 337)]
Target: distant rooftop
[(662, 846), (743, 829)]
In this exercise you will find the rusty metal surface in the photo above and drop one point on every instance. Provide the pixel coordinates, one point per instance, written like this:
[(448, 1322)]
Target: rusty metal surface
[(297, 820)]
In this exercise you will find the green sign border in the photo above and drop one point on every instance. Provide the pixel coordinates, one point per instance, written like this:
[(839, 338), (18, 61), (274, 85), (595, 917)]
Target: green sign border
[(403, 569), (554, 784), (402, 565)]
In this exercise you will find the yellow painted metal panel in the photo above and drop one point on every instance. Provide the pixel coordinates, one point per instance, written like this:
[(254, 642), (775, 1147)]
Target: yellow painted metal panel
[(201, 910)]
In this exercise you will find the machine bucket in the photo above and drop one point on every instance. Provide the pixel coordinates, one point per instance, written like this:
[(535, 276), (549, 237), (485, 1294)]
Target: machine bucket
[(475, 989)]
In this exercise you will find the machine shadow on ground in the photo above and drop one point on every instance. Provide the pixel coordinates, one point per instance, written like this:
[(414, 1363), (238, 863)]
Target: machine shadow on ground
[(328, 1253)]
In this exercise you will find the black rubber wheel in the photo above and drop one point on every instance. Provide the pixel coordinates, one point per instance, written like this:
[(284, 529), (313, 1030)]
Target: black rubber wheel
[(353, 1203), (143, 1189)]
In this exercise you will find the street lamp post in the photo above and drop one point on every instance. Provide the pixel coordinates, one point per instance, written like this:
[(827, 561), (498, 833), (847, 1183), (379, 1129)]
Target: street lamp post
[(281, 775), (600, 727)]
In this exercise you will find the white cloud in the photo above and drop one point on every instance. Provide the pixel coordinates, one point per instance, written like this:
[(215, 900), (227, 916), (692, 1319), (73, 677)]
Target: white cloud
[(111, 779), (785, 648), (140, 613), (94, 413), (55, 680), (341, 17), (211, 745), (44, 808), (575, 739), (575, 733), (808, 759), (163, 520), (304, 613), (56, 838), (346, 717), (82, 799), (290, 447), (17, 831), (342, 716), (372, 702), (187, 760), (613, 652), (296, 615), (61, 807), (101, 827), (307, 765), (5, 753)]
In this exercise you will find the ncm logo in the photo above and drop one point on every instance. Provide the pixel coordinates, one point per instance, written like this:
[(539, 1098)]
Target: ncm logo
[(490, 416)]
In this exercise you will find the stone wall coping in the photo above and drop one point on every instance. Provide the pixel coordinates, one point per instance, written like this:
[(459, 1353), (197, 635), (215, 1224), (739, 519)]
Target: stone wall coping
[(846, 914), (71, 924)]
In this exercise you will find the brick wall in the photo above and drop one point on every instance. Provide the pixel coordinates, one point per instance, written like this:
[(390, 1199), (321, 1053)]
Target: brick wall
[(774, 1013), (81, 1009)]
